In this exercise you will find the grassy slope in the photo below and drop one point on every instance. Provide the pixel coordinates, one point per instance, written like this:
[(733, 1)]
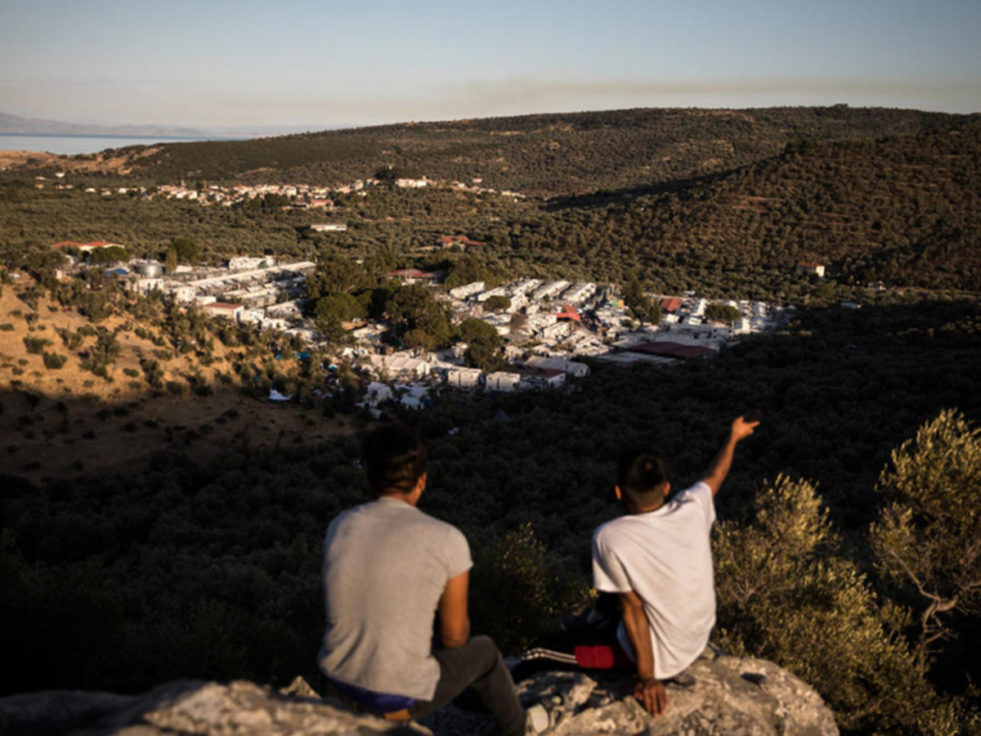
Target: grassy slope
[(67, 421)]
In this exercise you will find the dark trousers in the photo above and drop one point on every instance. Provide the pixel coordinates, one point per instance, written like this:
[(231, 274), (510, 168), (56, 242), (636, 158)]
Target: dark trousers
[(586, 648), (478, 665)]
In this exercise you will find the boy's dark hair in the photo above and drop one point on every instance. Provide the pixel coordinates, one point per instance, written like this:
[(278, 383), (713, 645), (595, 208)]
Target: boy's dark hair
[(394, 457), (641, 476)]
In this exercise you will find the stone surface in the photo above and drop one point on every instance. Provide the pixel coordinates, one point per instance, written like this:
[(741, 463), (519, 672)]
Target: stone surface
[(720, 696), (189, 707)]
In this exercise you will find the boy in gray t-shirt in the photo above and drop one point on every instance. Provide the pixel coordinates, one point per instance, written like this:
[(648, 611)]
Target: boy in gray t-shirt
[(388, 568)]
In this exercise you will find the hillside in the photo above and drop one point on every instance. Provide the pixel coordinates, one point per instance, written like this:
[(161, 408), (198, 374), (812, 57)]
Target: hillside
[(905, 210), (875, 195), (536, 154)]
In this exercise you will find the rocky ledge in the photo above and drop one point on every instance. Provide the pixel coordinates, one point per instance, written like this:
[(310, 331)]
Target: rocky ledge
[(725, 696)]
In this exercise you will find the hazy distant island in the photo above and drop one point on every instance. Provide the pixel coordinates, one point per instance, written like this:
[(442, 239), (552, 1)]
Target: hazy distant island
[(15, 125), (194, 335)]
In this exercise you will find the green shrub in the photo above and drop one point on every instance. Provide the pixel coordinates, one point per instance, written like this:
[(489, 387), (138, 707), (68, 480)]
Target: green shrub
[(521, 591), (36, 345), (153, 372), (786, 594), (6, 327), (53, 361), (926, 538), (71, 340)]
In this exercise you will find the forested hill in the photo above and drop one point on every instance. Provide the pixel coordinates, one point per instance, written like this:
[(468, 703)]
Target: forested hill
[(906, 210), (538, 154)]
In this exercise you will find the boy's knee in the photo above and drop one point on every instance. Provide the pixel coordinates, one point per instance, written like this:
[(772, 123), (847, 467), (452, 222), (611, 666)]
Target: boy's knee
[(484, 645)]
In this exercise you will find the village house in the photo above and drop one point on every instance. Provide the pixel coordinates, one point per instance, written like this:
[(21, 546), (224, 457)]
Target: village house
[(416, 276), (569, 367), (815, 269), (536, 377), (461, 241)]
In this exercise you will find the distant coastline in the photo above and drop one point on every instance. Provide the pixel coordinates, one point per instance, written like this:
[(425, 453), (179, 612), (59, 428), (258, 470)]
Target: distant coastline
[(73, 144)]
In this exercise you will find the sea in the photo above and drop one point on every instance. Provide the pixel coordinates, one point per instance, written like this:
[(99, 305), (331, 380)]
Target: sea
[(74, 144)]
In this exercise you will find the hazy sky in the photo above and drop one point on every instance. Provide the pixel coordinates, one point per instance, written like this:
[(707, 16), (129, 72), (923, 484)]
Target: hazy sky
[(289, 62)]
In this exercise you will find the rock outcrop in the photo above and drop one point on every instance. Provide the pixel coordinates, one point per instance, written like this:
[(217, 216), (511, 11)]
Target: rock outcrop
[(725, 696)]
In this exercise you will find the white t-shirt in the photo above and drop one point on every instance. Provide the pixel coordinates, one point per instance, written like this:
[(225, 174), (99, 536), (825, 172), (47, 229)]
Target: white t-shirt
[(665, 557)]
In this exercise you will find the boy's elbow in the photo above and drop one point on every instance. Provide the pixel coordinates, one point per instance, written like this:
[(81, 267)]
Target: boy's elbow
[(455, 642), (456, 636)]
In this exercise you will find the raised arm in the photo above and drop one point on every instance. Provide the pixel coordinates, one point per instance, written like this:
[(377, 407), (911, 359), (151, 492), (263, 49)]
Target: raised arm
[(740, 430), (454, 621), (649, 691)]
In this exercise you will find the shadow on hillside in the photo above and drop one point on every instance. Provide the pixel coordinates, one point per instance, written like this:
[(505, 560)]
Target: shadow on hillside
[(607, 197)]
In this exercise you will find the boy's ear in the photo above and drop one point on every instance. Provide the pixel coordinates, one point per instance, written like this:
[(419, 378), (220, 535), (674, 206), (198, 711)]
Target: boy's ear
[(618, 493)]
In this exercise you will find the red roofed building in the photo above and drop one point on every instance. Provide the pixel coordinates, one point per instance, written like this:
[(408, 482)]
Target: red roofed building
[(462, 240), (671, 304), (568, 313), (672, 350)]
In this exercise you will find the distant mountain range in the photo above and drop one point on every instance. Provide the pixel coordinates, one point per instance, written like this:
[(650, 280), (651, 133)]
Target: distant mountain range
[(15, 125)]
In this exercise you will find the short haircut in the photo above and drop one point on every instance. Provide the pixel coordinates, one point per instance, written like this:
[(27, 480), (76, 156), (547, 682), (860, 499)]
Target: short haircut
[(641, 476), (394, 457)]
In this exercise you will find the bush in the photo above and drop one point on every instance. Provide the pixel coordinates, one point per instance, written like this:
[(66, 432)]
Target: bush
[(36, 345), (6, 327), (926, 540), (785, 594), (71, 340), (521, 591), (53, 361)]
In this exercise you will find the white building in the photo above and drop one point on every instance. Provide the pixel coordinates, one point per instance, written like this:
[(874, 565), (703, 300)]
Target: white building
[(399, 366), (496, 291), (578, 292), (467, 290), (502, 381), (225, 310), (245, 263), (550, 289), (525, 286), (377, 392), (463, 377)]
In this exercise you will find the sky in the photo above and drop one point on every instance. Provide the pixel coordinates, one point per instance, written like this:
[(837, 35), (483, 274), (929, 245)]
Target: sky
[(326, 64)]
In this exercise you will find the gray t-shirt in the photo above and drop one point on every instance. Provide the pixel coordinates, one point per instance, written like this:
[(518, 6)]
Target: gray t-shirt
[(386, 564)]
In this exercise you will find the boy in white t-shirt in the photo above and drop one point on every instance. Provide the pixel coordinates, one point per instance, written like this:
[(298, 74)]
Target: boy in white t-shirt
[(657, 559)]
